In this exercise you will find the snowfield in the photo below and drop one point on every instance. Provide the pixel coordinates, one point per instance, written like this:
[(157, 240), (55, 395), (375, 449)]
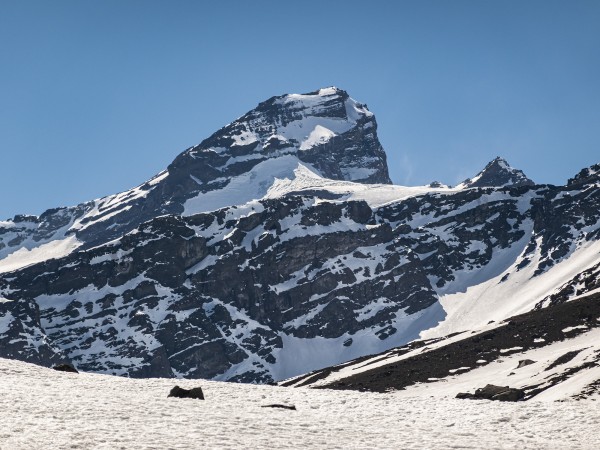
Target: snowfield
[(42, 408)]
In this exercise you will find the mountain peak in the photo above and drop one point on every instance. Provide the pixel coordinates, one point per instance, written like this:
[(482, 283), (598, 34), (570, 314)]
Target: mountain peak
[(497, 173), (588, 175), (326, 129)]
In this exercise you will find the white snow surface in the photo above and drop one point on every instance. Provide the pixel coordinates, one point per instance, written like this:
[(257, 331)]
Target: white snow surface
[(25, 257), (277, 177), (306, 178), (319, 135), (46, 409)]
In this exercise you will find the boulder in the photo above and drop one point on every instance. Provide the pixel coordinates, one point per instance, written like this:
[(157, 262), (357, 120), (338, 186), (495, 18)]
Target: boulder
[(501, 393), (509, 395), (492, 392), (187, 393), (525, 362), (65, 368), (464, 395)]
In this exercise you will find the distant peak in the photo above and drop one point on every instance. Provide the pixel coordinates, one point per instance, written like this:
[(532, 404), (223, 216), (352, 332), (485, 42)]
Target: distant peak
[(588, 175), (497, 173), (500, 162)]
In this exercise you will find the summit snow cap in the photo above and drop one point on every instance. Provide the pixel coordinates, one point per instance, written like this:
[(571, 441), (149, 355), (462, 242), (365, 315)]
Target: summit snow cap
[(497, 173)]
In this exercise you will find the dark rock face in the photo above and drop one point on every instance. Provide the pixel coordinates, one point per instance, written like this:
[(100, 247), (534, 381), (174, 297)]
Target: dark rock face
[(23, 337), (195, 393), (351, 153), (586, 176), (498, 173), (65, 368), (227, 288)]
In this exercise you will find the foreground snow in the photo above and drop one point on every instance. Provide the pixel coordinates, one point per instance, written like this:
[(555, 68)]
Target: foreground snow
[(42, 408)]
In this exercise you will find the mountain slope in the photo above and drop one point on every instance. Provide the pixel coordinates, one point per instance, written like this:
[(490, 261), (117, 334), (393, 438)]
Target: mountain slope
[(281, 286), (552, 353)]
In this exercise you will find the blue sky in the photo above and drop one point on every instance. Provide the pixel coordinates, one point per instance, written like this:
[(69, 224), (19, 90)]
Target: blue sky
[(97, 96)]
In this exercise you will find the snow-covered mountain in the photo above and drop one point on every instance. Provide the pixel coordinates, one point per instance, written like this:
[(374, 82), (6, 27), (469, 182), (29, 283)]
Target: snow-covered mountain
[(278, 246), (326, 131)]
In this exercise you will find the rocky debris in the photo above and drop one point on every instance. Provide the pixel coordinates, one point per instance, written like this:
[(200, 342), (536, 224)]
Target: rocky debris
[(464, 395), (291, 407), (195, 393), (65, 368), (492, 392), (562, 375), (525, 362)]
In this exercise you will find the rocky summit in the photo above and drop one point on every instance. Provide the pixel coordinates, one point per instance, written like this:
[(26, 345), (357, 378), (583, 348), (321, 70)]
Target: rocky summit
[(278, 246), (498, 173)]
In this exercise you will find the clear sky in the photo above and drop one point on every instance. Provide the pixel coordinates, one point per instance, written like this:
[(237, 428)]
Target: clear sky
[(97, 96)]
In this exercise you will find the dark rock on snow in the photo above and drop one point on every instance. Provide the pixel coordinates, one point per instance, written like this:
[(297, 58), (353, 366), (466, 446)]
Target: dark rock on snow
[(498, 173), (491, 392), (65, 368), (525, 362), (501, 393), (464, 395), (292, 407), (187, 393)]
